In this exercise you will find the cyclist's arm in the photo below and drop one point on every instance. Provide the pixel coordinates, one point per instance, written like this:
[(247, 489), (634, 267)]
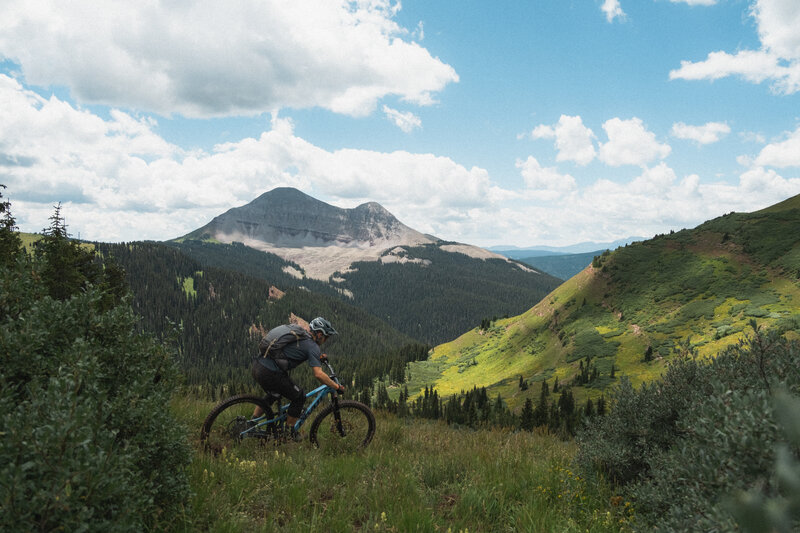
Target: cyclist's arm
[(325, 379)]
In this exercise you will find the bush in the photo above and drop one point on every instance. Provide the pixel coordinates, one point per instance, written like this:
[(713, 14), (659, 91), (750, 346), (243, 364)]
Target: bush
[(87, 442), (680, 446)]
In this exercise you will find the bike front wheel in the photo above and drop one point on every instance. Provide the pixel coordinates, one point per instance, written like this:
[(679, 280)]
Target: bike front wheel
[(346, 428), (231, 425)]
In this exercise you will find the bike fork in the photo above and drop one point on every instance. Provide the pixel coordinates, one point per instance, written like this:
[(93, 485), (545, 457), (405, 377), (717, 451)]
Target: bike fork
[(338, 416)]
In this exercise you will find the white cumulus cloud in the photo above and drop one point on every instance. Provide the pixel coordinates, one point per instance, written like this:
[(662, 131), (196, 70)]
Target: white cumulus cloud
[(630, 143), (781, 154), (207, 58), (707, 133), (544, 179), (406, 121), (574, 140), (612, 10), (777, 61)]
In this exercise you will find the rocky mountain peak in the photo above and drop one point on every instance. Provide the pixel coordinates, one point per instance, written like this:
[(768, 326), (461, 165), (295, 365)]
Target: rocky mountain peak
[(296, 226)]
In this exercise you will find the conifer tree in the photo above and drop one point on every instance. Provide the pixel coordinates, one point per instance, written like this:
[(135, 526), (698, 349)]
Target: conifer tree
[(10, 243), (66, 267), (526, 417)]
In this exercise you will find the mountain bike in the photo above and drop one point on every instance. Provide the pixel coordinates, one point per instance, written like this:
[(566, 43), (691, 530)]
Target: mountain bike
[(342, 426)]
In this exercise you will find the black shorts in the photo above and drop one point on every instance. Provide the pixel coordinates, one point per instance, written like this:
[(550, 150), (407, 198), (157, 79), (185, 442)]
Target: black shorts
[(281, 383)]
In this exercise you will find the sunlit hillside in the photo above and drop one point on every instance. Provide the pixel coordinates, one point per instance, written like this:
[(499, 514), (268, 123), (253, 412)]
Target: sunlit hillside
[(631, 310)]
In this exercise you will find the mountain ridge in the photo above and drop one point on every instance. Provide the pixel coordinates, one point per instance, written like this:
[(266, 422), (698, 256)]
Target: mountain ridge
[(321, 238)]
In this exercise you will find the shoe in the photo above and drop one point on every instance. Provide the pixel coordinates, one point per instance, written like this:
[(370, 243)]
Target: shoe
[(296, 436)]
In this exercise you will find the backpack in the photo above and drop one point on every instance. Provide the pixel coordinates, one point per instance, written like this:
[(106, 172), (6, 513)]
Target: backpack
[(277, 339)]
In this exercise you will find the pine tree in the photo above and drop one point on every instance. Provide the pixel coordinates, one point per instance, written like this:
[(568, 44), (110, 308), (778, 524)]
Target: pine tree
[(66, 267), (526, 417), (588, 410), (10, 243), (648, 354)]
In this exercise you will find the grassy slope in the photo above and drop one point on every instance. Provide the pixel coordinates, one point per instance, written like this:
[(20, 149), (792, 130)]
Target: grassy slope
[(414, 476), (705, 284)]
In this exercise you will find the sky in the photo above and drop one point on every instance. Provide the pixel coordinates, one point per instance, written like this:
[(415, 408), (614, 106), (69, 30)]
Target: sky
[(493, 123)]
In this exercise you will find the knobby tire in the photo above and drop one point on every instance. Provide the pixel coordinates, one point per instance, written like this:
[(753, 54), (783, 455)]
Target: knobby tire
[(223, 425), (357, 421)]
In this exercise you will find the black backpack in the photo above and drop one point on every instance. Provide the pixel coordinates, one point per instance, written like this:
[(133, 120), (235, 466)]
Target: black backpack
[(277, 339)]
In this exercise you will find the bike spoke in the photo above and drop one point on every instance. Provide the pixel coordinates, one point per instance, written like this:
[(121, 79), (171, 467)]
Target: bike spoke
[(234, 427), (353, 429)]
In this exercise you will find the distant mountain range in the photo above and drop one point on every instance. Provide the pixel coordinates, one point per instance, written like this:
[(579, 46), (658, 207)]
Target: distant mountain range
[(561, 261), (515, 252), (630, 311), (427, 288), (562, 266)]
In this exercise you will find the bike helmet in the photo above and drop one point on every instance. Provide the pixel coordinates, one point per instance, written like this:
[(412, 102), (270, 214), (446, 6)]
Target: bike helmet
[(320, 324)]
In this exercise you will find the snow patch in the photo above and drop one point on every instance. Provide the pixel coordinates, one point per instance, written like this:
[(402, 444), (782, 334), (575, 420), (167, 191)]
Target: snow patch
[(292, 271)]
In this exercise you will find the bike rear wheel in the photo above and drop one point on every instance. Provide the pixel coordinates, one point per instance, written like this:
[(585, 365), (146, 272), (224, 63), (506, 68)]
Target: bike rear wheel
[(229, 425), (355, 431)]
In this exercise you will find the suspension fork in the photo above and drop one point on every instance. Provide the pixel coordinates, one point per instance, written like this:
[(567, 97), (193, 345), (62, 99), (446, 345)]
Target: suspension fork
[(337, 415)]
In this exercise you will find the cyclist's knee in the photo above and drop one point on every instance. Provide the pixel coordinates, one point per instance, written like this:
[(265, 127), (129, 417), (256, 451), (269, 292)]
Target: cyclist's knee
[(297, 393), (297, 400)]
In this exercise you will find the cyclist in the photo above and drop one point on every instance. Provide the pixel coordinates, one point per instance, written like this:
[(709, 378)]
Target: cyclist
[(271, 378)]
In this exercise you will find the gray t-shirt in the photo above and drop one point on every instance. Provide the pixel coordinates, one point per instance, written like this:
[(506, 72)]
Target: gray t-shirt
[(296, 354)]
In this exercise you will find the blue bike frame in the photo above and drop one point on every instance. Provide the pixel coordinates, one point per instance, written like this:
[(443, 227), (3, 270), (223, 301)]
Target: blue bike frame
[(260, 423)]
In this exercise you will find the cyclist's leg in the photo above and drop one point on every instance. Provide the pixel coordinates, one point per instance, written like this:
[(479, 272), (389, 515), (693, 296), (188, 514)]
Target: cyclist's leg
[(262, 376), (280, 383)]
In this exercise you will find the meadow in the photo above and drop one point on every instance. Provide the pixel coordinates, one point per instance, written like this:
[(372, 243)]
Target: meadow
[(415, 476)]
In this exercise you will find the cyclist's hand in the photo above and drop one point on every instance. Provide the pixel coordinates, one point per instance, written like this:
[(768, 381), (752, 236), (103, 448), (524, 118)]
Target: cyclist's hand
[(341, 389), (323, 357)]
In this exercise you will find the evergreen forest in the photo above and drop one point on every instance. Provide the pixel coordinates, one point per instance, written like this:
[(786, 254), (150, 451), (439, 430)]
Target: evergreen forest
[(218, 316)]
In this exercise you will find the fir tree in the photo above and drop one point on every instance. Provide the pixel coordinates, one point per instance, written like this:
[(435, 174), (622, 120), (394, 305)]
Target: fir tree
[(526, 417), (10, 243)]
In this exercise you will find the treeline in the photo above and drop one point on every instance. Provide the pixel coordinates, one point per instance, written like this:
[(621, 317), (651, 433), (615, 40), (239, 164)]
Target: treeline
[(421, 299), (217, 317), (556, 411), (237, 257), (87, 442)]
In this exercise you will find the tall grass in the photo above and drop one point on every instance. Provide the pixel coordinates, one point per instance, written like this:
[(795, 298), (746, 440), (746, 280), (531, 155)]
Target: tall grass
[(415, 476)]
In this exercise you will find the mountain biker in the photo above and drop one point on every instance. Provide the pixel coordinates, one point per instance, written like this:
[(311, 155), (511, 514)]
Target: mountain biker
[(272, 378)]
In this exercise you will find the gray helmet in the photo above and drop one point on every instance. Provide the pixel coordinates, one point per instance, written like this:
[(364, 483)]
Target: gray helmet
[(322, 325)]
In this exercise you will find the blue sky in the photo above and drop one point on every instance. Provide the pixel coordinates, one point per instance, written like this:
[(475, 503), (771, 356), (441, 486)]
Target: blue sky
[(540, 122)]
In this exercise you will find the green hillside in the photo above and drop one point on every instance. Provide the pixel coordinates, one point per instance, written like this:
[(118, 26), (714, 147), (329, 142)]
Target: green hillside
[(631, 310)]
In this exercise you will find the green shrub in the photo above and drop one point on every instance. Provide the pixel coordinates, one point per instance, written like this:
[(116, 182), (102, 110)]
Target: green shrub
[(680, 446), (87, 442), (757, 512), (590, 344)]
